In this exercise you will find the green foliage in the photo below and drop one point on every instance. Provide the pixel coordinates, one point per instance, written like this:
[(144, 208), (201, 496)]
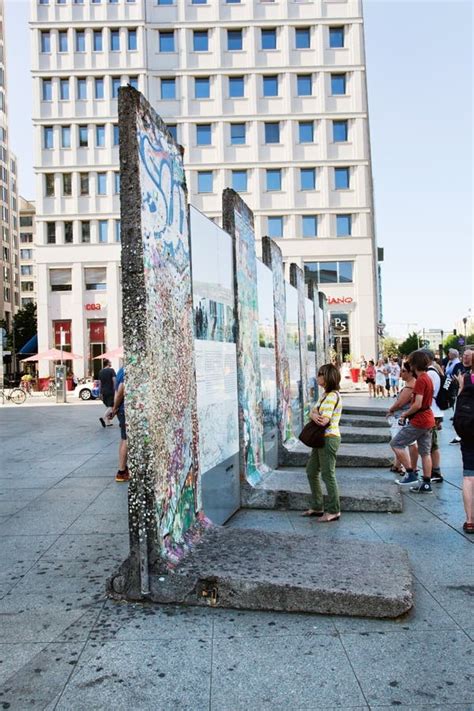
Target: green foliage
[(389, 347), (453, 341), (24, 326), (409, 345)]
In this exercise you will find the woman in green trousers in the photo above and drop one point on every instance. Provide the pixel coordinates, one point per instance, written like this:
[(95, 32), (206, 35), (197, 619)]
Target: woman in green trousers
[(322, 462)]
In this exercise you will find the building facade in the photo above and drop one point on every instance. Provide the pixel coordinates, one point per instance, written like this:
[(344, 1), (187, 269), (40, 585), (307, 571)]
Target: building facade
[(269, 98), (27, 261)]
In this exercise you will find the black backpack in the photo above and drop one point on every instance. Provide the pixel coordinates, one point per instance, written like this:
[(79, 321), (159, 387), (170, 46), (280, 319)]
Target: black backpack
[(445, 394), (463, 420)]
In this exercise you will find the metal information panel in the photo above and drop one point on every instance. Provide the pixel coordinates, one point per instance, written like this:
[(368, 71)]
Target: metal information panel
[(60, 382)]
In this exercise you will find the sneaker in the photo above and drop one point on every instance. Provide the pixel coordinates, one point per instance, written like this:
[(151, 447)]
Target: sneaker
[(437, 478), (456, 440), (102, 422), (423, 488), (409, 478), (122, 476)]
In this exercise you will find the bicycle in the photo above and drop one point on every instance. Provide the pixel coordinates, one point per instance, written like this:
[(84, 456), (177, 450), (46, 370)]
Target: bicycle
[(16, 395), (50, 390)]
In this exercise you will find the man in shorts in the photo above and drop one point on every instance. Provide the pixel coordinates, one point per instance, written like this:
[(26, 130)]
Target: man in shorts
[(419, 428), (119, 410), (394, 376), (107, 386)]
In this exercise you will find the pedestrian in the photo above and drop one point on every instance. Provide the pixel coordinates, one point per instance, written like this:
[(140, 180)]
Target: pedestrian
[(380, 378), (465, 369), (322, 462), (453, 364), (386, 370), (400, 406), (435, 372), (370, 378), (419, 427), (464, 426), (119, 410), (394, 370), (106, 378)]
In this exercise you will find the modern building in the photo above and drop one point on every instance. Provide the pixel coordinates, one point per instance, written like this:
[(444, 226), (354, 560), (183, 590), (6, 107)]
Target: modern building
[(9, 282), (28, 293), (269, 98)]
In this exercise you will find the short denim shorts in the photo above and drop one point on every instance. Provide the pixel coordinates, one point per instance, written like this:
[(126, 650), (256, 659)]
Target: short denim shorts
[(410, 434)]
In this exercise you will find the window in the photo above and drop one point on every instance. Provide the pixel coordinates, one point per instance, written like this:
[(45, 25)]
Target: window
[(45, 41), (173, 129), (97, 44), (80, 41), (205, 181), (26, 269), (47, 93), (239, 181), (103, 225), (269, 39), (338, 84), (133, 81), (272, 132), (273, 176), (50, 233), (200, 41), (166, 41), (44, 2), (64, 89), (25, 221), (117, 230), (132, 41), (62, 41), (275, 226), (83, 137), (330, 272), (236, 87), (65, 137), (237, 134), (68, 232), (101, 183), (115, 86), (341, 178), (307, 178), (27, 286), (24, 254), (67, 184), (339, 131), (84, 182), (115, 40), (100, 136), (116, 135), (202, 88), (165, 2), (234, 40), (85, 232), (99, 87), (49, 184), (343, 225), (48, 140), (203, 134), (199, 2), (116, 182), (168, 89), (302, 38), (310, 225), (60, 279), (270, 85), (95, 278), (26, 238), (306, 131), (336, 37), (82, 89), (304, 84)]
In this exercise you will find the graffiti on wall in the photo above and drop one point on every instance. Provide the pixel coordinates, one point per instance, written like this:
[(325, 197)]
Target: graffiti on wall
[(297, 280)]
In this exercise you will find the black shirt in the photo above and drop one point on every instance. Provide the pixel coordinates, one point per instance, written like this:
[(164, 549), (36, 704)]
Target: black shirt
[(106, 376)]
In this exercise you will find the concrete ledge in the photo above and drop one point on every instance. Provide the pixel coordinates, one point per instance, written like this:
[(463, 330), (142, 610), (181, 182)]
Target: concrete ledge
[(365, 435), (359, 491), (363, 421), (256, 570), (349, 455), (371, 411)]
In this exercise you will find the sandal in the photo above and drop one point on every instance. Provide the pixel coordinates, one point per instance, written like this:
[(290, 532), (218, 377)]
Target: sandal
[(468, 527), (397, 470), (327, 518), (311, 512)]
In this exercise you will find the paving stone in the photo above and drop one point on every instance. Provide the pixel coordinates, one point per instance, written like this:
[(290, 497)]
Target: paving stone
[(243, 623)]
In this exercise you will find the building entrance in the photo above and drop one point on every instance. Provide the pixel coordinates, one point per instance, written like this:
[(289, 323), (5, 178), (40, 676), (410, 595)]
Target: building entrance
[(96, 328)]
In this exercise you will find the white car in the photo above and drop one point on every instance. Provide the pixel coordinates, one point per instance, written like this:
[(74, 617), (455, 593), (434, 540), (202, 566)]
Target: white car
[(84, 390)]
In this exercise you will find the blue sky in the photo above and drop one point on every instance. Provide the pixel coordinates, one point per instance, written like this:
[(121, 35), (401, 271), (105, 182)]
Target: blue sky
[(419, 69)]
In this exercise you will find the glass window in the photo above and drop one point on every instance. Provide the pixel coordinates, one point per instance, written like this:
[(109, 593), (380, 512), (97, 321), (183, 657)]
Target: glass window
[(133, 81), (48, 139), (85, 232), (80, 41), (302, 38), (275, 226), (101, 183), (103, 224), (273, 179), (200, 41), (343, 225), (306, 131), (116, 134), (205, 181), (114, 40), (47, 87), (67, 184), (116, 83), (50, 233), (336, 37), (202, 88), (307, 178), (97, 45), (237, 134), (272, 132), (84, 181), (310, 225), (45, 41), (270, 85), (83, 137), (60, 279), (132, 40), (236, 87), (173, 129), (26, 269), (304, 84), (327, 272), (199, 2), (44, 2), (203, 134), (49, 184), (166, 41), (100, 136), (165, 2), (269, 39), (338, 84), (234, 40), (62, 41), (64, 89), (168, 89), (65, 137), (24, 254), (68, 232), (341, 178), (117, 230), (99, 88), (346, 272), (96, 277), (81, 89), (239, 181), (116, 182), (339, 131)]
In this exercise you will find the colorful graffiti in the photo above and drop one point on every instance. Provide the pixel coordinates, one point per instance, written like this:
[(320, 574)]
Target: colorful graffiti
[(297, 281)]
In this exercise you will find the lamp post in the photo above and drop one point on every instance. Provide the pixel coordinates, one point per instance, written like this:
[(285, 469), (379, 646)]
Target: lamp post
[(465, 328)]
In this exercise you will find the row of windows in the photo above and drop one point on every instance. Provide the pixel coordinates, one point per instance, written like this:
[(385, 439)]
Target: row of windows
[(81, 135), (100, 182), (273, 179), (329, 272), (82, 2), (238, 132), (86, 87), (107, 231), (95, 279), (97, 40), (304, 85)]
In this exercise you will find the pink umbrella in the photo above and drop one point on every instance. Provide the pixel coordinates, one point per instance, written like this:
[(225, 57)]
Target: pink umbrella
[(114, 353), (52, 354)]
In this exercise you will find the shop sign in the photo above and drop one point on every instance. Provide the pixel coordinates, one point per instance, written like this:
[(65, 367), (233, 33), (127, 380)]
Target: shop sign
[(340, 324), (340, 300), (93, 307), (62, 333)]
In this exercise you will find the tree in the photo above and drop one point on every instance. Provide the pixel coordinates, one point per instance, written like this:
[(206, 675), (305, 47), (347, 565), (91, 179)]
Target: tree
[(389, 347), (24, 325), (410, 344), (453, 341)]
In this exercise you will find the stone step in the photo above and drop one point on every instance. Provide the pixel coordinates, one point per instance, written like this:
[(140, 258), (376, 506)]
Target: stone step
[(367, 435), (371, 411), (256, 570), (363, 421), (349, 455), (359, 489)]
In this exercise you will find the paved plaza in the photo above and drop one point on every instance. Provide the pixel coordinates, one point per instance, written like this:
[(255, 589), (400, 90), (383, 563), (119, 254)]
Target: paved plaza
[(65, 646)]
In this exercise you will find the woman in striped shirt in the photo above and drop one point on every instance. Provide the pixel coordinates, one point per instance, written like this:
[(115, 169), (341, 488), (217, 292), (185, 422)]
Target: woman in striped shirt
[(322, 462)]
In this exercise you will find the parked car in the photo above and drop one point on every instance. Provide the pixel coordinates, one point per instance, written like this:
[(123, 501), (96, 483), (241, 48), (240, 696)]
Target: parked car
[(85, 390)]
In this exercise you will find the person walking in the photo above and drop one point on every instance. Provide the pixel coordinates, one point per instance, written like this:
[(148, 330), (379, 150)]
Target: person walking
[(435, 372), (399, 407), (106, 378), (464, 426), (119, 410), (322, 462), (464, 369), (380, 378), (370, 378), (394, 369)]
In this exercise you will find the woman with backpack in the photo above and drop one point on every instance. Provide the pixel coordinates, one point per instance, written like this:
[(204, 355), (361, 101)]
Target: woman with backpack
[(463, 422)]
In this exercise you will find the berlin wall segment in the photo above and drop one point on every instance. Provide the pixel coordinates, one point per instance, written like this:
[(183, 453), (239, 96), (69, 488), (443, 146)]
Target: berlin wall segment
[(297, 281)]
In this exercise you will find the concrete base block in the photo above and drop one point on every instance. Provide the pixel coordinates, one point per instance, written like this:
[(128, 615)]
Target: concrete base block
[(255, 570), (364, 421), (365, 435), (371, 411), (289, 489), (349, 455)]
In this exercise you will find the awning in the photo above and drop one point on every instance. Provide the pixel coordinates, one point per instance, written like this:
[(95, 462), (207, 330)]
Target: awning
[(31, 346)]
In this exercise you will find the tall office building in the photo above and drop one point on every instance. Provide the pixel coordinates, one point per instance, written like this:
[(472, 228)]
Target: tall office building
[(266, 97), (9, 292), (27, 253)]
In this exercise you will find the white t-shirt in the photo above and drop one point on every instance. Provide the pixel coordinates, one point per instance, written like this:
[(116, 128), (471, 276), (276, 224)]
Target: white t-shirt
[(436, 380), (395, 371)]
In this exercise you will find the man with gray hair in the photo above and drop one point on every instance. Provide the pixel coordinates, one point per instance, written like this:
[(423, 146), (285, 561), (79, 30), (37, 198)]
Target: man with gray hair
[(453, 365), (465, 369)]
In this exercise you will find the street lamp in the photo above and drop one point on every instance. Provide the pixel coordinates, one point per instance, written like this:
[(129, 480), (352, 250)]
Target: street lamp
[(465, 328)]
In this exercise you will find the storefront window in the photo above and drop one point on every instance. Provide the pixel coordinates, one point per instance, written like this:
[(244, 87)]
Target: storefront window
[(97, 330)]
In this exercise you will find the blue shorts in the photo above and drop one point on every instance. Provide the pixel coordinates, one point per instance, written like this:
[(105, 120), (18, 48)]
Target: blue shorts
[(394, 382), (123, 427), (467, 453)]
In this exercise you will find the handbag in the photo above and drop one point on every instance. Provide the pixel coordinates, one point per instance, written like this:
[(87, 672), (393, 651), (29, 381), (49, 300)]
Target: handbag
[(312, 434)]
